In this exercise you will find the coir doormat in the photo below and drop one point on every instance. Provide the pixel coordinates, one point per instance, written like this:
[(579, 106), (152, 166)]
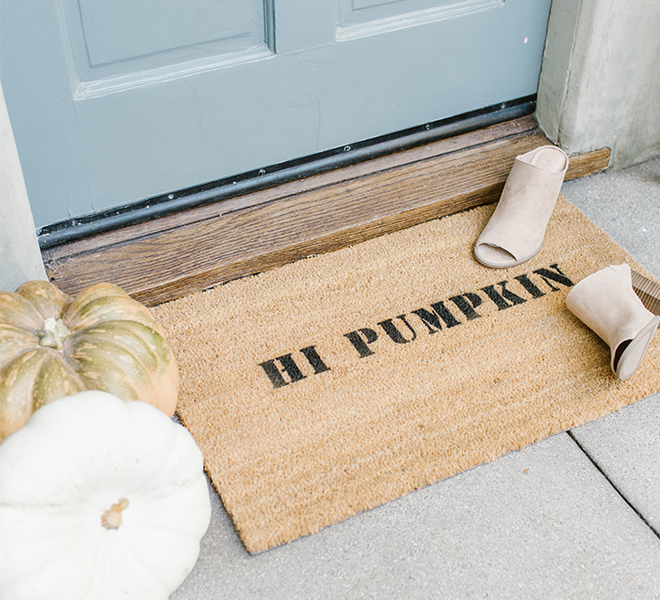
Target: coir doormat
[(340, 382)]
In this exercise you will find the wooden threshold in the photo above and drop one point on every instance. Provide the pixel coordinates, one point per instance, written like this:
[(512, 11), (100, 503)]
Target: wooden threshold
[(173, 256)]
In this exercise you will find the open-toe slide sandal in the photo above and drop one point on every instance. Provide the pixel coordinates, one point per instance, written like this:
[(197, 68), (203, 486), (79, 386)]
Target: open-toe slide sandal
[(606, 302), (516, 229)]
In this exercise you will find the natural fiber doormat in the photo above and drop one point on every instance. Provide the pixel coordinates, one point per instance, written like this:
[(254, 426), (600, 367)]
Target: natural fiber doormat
[(340, 382)]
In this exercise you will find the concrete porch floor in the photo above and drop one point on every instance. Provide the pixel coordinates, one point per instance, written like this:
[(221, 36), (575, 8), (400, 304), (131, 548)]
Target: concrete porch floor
[(574, 516)]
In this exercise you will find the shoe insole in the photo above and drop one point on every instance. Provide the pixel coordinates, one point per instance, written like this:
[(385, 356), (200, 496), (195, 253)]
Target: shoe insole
[(549, 159)]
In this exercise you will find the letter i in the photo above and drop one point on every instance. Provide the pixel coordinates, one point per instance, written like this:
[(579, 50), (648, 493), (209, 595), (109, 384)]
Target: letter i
[(314, 359)]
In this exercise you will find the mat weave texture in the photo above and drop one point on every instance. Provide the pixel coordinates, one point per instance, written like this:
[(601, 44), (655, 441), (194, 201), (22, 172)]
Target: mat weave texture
[(343, 381)]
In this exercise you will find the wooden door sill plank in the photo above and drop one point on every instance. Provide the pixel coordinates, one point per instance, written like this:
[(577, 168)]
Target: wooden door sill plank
[(446, 146), (180, 254)]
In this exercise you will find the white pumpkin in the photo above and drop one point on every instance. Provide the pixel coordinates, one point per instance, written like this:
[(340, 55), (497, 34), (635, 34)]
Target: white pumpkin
[(100, 499)]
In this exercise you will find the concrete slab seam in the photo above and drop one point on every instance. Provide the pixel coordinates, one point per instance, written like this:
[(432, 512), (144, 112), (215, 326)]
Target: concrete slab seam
[(612, 484)]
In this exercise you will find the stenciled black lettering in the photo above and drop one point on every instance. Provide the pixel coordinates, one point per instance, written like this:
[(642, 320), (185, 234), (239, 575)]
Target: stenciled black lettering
[(314, 359), (432, 318), (395, 335), (504, 298), (361, 340), (466, 303), (530, 286), (557, 277), (287, 365)]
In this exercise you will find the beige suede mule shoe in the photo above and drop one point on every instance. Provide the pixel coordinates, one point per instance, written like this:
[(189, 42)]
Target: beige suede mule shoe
[(606, 303), (516, 229)]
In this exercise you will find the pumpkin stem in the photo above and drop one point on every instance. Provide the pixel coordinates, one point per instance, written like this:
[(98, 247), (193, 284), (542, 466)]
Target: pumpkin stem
[(53, 334), (111, 518)]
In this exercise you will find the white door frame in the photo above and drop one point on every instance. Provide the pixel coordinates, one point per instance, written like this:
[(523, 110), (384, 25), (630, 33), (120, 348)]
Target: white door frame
[(20, 258)]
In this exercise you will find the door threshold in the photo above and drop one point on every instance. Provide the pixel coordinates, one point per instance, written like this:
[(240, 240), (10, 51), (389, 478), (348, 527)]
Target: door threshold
[(181, 253), (236, 191)]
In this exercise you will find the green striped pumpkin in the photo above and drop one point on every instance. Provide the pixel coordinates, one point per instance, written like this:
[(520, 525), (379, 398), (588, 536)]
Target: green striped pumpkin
[(53, 345)]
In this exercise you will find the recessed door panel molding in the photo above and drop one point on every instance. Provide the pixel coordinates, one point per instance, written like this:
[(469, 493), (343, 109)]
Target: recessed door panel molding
[(120, 44), (360, 18), (88, 90), (124, 29)]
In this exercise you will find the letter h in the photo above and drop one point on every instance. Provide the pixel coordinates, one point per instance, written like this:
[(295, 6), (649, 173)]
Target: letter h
[(289, 367)]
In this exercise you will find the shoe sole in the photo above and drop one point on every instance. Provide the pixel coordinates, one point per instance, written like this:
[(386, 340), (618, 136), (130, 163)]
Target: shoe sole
[(634, 353), (647, 290)]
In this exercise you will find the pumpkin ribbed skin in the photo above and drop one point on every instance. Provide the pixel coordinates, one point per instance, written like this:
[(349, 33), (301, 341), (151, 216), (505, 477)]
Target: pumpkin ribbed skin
[(99, 500), (53, 345)]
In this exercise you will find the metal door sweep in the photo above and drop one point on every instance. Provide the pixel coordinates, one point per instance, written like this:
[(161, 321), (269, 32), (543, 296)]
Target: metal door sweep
[(648, 291)]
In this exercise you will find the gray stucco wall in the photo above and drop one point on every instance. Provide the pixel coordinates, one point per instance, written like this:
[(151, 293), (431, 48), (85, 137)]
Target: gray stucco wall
[(600, 79), (20, 258)]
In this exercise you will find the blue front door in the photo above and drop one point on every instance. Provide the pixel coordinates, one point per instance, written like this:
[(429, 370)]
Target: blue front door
[(115, 102)]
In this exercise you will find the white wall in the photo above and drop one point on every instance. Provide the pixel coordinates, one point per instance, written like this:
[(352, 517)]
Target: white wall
[(20, 258), (600, 79)]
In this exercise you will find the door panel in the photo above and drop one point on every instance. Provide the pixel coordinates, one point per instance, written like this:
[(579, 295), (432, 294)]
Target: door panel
[(125, 29), (117, 45), (116, 102), (399, 14)]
